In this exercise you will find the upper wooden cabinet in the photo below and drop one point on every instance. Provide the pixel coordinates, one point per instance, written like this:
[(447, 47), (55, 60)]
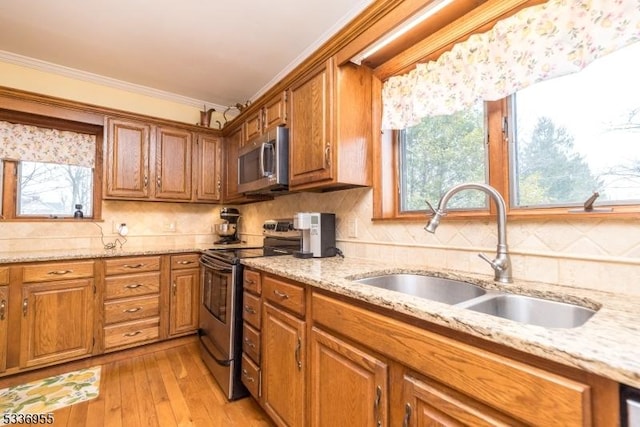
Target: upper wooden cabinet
[(272, 114), (208, 169), (127, 159), (4, 315), (330, 128), (148, 162)]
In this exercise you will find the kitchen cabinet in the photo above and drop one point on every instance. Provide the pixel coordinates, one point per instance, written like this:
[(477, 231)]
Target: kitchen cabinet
[(127, 159), (445, 381), (146, 162), (185, 294), (131, 301), (283, 352), (340, 372), (57, 312), (330, 128), (232, 144), (272, 114), (4, 315), (208, 169), (251, 333)]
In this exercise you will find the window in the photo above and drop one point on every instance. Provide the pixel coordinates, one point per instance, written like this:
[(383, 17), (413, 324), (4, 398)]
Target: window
[(48, 166), (49, 189), (578, 134), (441, 152), (568, 138)]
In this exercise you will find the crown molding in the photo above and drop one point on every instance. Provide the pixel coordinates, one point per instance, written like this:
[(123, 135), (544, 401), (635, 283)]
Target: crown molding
[(73, 73)]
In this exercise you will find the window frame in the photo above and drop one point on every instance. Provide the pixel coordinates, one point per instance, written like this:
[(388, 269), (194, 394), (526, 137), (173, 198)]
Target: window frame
[(9, 178)]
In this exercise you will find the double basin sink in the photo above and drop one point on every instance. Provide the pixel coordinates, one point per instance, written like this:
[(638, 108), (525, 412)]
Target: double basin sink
[(519, 308)]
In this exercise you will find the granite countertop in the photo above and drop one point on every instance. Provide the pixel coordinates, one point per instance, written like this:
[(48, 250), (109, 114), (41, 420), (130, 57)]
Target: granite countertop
[(60, 255), (607, 344)]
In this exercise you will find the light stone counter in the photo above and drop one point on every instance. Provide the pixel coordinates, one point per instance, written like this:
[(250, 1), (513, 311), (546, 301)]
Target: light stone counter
[(57, 255), (608, 344)]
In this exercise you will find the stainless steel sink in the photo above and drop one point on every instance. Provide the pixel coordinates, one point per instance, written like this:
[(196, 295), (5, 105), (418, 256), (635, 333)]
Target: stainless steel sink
[(532, 311), (432, 288)]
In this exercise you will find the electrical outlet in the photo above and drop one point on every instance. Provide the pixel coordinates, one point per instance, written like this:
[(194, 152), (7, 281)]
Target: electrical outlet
[(170, 227), (117, 226), (352, 227)]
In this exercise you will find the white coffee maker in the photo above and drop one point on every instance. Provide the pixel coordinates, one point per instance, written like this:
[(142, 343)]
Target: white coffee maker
[(318, 234)]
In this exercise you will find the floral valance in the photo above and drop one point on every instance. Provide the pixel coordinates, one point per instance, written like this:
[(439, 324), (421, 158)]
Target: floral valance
[(537, 43), (32, 143)]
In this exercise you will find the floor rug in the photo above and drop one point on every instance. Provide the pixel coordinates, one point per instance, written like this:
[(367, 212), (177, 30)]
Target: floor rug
[(49, 394)]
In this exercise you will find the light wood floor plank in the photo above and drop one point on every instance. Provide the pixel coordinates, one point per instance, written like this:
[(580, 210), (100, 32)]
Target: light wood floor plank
[(167, 387)]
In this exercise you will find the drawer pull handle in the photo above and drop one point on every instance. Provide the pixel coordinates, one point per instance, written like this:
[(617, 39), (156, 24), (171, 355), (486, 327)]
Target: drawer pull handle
[(250, 281), (297, 354), (25, 306), (280, 294), (250, 343), (249, 309), (133, 286), (133, 265), (246, 375), (60, 272), (3, 308), (407, 415), (185, 262), (132, 310), (132, 334)]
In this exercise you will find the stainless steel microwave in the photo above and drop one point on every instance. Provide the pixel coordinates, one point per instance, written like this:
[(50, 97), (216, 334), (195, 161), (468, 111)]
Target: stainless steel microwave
[(263, 164)]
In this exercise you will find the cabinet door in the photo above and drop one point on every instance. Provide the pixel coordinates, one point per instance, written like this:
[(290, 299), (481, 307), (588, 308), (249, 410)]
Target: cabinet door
[(283, 366), (127, 168), (231, 147), (427, 403), (252, 126), (185, 291), (348, 386), (4, 314), (275, 112), (173, 164), (57, 321), (310, 139), (208, 173)]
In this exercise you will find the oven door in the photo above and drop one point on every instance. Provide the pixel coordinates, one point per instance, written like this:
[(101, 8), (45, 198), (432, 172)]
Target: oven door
[(216, 308)]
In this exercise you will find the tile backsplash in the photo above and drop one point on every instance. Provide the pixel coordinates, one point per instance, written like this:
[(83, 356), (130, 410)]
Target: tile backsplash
[(589, 253), (598, 254)]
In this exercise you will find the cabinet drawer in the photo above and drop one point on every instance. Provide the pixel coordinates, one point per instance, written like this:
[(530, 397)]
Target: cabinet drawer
[(284, 294), (251, 342), (57, 271), (4, 276), (131, 309), (131, 265), (251, 309), (179, 262), (131, 285), (251, 376), (131, 332), (252, 281)]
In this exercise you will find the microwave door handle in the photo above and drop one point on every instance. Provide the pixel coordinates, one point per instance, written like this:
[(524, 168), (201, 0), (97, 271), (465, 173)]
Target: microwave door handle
[(262, 150)]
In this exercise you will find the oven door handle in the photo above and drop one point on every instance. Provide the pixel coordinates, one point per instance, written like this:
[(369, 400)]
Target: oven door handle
[(219, 361), (209, 264)]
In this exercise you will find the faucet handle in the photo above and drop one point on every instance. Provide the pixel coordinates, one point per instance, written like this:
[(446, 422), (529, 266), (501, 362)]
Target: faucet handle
[(431, 209), (496, 266)]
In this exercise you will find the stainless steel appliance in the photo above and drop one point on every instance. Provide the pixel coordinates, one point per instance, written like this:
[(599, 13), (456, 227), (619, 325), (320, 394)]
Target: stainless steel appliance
[(630, 407), (263, 165), (220, 330), (318, 234), (228, 230)]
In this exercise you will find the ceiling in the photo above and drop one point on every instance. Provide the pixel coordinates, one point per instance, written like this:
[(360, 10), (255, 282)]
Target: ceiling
[(200, 52)]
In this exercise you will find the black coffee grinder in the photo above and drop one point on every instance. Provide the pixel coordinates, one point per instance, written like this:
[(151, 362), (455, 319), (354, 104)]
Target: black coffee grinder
[(228, 230)]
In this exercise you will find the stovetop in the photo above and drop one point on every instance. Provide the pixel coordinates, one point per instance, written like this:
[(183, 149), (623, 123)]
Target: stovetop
[(234, 255)]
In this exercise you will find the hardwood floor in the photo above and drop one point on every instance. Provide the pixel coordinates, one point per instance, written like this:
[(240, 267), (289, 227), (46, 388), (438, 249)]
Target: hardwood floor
[(168, 387)]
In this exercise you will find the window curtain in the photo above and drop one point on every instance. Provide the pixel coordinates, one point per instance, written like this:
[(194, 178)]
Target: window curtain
[(36, 144), (537, 43)]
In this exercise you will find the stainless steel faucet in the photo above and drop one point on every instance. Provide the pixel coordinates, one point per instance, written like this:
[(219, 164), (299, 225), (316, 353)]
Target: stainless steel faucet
[(502, 263)]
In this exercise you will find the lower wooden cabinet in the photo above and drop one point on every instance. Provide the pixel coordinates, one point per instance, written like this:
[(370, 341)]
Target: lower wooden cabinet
[(348, 386), (283, 366), (4, 320), (185, 296), (57, 321)]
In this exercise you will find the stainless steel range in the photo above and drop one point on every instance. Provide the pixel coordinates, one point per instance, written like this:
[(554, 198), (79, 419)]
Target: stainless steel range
[(220, 330)]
